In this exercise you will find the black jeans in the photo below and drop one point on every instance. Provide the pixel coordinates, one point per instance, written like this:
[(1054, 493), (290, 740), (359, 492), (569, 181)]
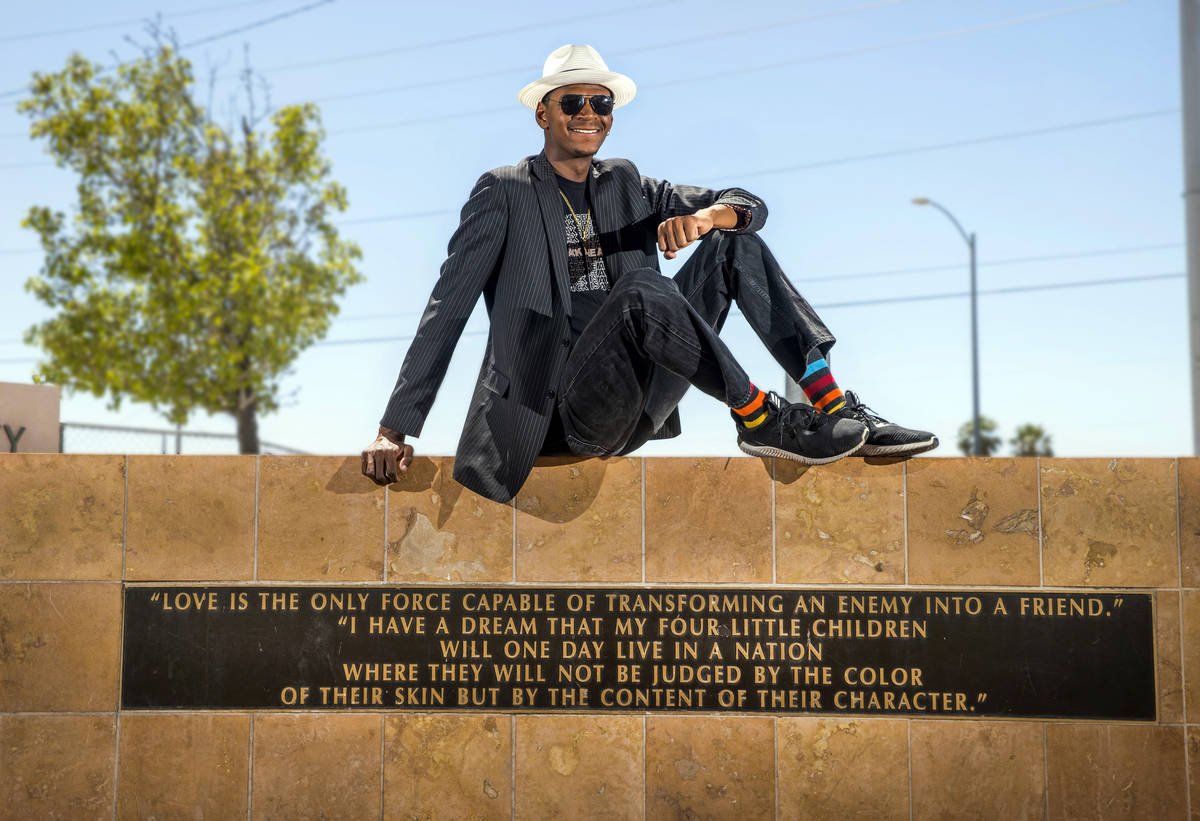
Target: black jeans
[(654, 336)]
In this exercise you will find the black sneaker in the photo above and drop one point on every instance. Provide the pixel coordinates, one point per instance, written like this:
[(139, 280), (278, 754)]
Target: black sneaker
[(800, 433), (885, 438)]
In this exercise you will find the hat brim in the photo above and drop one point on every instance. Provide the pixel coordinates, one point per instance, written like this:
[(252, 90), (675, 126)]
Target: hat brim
[(623, 89)]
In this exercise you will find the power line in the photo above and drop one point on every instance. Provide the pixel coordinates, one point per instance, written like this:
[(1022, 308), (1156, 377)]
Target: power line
[(220, 35), (430, 44), (1103, 252), (1016, 289), (257, 24), (392, 124), (464, 38), (378, 339), (854, 158), (909, 41), (1100, 252), (1011, 135), (694, 78), (523, 69), (879, 155), (113, 24), (398, 217), (993, 138), (1054, 286), (725, 34), (372, 317)]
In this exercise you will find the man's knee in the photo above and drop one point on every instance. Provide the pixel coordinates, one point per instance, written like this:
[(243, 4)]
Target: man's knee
[(641, 278), (643, 285)]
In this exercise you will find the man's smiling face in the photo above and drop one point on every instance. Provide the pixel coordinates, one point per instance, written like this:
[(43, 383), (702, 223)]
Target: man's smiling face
[(578, 135)]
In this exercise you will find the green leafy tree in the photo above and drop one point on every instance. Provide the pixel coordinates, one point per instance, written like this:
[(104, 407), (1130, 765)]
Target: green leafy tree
[(1031, 440), (200, 260), (989, 442)]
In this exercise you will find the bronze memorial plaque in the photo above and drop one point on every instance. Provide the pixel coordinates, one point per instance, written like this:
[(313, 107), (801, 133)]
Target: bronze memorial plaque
[(932, 653)]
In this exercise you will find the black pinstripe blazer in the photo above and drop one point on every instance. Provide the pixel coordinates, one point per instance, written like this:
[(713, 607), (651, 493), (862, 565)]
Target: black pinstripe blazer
[(510, 248)]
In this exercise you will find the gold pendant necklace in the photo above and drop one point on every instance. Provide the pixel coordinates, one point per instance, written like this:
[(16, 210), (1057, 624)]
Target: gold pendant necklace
[(583, 238)]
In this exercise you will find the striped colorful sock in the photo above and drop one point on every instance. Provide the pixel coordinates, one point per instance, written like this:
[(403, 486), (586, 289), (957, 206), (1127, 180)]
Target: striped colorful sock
[(753, 413), (821, 388)]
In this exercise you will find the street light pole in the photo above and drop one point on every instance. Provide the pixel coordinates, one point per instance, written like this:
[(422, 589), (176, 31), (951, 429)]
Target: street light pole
[(1189, 47), (976, 445), (976, 449)]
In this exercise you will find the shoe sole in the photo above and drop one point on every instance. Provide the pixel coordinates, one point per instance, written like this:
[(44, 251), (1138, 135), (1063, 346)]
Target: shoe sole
[(779, 453), (909, 449)]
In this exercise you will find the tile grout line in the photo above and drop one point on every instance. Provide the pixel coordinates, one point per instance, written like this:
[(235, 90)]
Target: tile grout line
[(827, 586), (643, 494), (774, 548), (1179, 544), (125, 524), (775, 742), (512, 763), (387, 500), (513, 504), (250, 775), (645, 765), (257, 482), (1037, 466), (43, 713), (908, 729), (1046, 765), (1187, 763), (382, 748), (1187, 756), (117, 582), (121, 638), (117, 762), (904, 491)]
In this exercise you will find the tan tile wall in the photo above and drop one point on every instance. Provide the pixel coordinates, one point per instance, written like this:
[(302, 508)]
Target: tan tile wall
[(74, 528)]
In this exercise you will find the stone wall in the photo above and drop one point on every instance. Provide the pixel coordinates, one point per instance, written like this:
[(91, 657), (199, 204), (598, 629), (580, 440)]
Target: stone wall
[(75, 529)]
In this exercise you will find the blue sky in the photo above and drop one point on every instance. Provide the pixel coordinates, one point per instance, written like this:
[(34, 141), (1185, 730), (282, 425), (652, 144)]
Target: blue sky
[(1049, 127)]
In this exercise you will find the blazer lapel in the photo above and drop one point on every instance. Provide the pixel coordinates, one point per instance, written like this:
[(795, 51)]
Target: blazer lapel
[(612, 195), (604, 200), (551, 206)]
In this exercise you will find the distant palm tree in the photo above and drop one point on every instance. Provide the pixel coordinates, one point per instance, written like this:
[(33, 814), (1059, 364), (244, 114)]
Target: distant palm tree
[(1031, 440), (989, 443)]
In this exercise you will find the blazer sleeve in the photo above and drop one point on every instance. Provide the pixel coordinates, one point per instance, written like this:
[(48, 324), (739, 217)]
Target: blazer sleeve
[(472, 257), (667, 200)]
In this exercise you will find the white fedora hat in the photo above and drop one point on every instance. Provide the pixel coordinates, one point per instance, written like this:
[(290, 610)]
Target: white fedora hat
[(568, 65)]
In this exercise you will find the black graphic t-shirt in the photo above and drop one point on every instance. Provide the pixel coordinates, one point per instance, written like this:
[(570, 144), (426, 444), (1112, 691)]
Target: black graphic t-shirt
[(585, 262)]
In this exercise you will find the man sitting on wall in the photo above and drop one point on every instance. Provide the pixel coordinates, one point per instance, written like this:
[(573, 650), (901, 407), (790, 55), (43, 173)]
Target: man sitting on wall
[(590, 348)]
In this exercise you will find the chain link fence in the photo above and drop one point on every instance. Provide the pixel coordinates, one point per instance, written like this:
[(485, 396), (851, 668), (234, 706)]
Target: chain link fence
[(78, 437)]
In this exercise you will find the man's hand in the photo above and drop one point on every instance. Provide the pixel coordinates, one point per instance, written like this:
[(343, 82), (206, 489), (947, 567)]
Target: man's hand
[(677, 233), (387, 457)]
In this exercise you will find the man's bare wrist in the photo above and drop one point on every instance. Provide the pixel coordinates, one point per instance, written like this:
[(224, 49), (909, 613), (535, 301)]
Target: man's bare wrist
[(392, 436), (722, 215)]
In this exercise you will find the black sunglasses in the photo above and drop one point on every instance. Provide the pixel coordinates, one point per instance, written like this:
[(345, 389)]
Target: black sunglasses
[(572, 104)]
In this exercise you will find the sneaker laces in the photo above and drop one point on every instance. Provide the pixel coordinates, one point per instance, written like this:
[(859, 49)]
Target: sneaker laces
[(862, 412), (799, 415)]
